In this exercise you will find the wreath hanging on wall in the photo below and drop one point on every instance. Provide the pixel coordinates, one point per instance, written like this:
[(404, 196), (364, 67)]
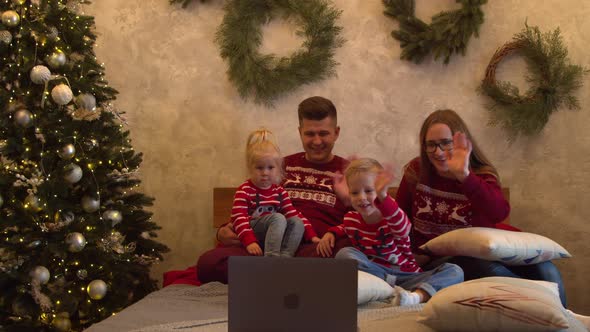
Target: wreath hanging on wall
[(265, 76), (553, 81), (448, 33)]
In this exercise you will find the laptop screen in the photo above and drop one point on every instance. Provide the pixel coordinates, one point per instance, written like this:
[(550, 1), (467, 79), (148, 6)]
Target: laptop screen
[(292, 294)]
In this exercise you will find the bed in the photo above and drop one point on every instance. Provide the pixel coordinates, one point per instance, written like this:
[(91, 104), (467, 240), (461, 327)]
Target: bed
[(204, 308)]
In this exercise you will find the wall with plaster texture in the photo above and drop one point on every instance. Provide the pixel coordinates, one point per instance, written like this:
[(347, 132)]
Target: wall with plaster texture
[(191, 124)]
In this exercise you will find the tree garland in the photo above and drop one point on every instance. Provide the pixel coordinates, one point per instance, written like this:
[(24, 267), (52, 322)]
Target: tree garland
[(448, 33), (265, 77), (553, 81)]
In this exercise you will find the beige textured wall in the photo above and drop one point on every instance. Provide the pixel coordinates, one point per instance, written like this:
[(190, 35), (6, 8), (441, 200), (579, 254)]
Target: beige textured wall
[(191, 124)]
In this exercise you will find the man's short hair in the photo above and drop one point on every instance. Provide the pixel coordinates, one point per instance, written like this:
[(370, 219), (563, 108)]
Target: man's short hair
[(316, 108)]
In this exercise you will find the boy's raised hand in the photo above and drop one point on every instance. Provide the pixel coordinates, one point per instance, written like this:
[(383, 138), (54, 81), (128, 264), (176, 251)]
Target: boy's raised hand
[(254, 249), (383, 181), (326, 245)]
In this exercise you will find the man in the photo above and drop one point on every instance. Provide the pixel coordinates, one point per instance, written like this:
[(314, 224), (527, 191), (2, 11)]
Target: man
[(313, 180)]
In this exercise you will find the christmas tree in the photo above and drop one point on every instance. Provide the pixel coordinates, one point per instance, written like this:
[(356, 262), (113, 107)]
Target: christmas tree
[(76, 244)]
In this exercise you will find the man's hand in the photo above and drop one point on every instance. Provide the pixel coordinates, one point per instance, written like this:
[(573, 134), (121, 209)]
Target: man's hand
[(341, 188), (326, 245), (254, 249), (227, 236)]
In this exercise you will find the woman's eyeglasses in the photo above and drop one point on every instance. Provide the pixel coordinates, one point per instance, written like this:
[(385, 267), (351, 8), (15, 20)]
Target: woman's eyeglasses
[(444, 145)]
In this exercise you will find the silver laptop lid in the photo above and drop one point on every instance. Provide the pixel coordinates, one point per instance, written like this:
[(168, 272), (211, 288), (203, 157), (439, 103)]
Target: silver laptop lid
[(292, 294)]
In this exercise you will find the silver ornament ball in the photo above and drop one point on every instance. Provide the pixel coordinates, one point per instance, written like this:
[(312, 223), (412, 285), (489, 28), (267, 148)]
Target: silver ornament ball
[(67, 152), (10, 18), (90, 204), (97, 289), (75, 241), (72, 173), (62, 94), (56, 59), (40, 274), (5, 36), (40, 74), (86, 101), (34, 244), (33, 202), (113, 216), (52, 33), (23, 118)]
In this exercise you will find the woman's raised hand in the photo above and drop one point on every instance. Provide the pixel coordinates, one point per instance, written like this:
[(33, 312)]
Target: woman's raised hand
[(458, 158)]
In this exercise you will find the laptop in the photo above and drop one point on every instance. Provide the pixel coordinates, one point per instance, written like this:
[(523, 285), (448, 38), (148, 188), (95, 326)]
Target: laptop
[(292, 294)]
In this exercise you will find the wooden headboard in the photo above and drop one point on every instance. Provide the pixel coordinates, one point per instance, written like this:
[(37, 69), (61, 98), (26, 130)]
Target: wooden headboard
[(223, 198)]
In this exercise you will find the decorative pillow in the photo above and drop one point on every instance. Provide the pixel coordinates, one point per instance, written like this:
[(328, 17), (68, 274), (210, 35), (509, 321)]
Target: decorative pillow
[(371, 288), (495, 304), (510, 248)]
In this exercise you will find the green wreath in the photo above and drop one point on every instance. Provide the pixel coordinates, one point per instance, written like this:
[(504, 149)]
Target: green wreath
[(448, 33), (552, 83), (265, 76)]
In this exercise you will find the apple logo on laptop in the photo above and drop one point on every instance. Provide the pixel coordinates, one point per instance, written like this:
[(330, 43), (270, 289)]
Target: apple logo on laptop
[(291, 301)]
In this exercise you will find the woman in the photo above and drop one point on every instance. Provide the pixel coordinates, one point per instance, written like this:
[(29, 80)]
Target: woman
[(452, 185)]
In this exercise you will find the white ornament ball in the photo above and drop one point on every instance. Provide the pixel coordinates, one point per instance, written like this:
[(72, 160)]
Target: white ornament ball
[(40, 74), (56, 59), (86, 101), (40, 274), (72, 173), (75, 241), (113, 216), (97, 289), (5, 36), (90, 204), (23, 118), (33, 202), (10, 18), (62, 94), (67, 151)]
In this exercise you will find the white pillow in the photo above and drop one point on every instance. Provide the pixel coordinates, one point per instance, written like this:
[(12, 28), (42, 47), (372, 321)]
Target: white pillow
[(372, 288), (510, 248), (495, 304)]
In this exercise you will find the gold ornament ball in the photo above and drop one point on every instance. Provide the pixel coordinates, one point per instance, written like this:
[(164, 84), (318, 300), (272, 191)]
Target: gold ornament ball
[(97, 289), (10, 18), (113, 216), (62, 323), (75, 241), (40, 273), (72, 173), (5, 37), (33, 202), (56, 59), (23, 118), (67, 152)]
